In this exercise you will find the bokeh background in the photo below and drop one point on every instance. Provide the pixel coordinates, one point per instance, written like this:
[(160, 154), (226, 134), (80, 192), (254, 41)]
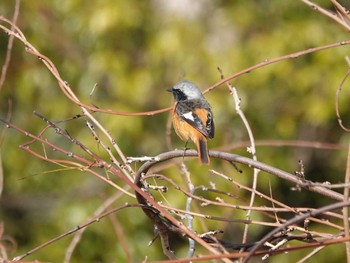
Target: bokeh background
[(135, 50)]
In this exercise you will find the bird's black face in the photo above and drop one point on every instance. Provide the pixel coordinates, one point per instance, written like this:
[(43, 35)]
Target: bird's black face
[(178, 94)]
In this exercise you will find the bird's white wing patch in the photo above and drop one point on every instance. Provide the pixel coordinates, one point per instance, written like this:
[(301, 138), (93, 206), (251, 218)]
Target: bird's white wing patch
[(189, 115)]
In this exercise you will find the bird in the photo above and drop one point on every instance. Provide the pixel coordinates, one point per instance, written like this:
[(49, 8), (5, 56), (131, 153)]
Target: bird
[(192, 117)]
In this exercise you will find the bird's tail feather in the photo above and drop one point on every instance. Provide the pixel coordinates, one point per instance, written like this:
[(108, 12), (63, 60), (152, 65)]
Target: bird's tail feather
[(203, 151)]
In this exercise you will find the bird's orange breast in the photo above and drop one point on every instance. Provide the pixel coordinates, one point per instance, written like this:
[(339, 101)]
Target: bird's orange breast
[(186, 131)]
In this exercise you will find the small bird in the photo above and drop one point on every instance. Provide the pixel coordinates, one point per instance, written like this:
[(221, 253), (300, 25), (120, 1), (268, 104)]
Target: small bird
[(192, 117)]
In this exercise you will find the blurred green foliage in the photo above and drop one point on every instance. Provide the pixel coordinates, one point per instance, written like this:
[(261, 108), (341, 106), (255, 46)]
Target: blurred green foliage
[(135, 50)]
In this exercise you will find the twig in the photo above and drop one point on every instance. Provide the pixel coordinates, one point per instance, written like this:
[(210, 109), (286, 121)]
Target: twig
[(163, 221), (340, 121), (250, 163), (97, 219), (64, 86), (180, 154), (9, 46), (294, 221), (278, 59), (312, 253), (202, 258), (189, 218), (328, 13), (108, 149), (251, 150), (97, 213), (119, 228), (345, 209)]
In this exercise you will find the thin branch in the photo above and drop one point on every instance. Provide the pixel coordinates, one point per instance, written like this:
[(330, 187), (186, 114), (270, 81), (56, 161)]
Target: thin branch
[(259, 253), (9, 46), (328, 13), (275, 60), (250, 163), (99, 211), (189, 218), (64, 86), (340, 121), (345, 209), (312, 253), (294, 221), (77, 228), (163, 221)]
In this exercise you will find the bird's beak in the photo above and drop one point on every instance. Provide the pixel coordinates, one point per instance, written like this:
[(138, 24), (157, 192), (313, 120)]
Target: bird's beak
[(170, 90)]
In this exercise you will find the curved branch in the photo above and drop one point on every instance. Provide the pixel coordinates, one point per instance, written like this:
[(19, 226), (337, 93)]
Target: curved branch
[(230, 157), (340, 121), (164, 224)]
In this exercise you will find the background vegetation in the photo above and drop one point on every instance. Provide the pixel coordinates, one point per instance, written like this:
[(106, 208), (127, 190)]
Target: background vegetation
[(134, 51)]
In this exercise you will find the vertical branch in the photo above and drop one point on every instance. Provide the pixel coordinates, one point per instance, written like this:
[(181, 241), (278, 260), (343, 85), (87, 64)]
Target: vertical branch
[(347, 173), (9, 46), (345, 209), (9, 113), (340, 121), (189, 217), (251, 150)]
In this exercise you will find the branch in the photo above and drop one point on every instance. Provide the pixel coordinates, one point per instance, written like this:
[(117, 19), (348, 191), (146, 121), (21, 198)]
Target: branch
[(294, 221), (165, 223)]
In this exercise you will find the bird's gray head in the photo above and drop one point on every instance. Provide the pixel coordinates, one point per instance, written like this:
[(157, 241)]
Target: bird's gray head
[(186, 90)]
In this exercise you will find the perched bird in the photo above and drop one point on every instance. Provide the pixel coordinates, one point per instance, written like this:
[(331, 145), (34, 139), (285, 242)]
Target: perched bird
[(192, 117)]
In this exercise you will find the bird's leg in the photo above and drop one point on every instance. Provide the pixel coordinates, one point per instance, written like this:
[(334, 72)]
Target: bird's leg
[(185, 149)]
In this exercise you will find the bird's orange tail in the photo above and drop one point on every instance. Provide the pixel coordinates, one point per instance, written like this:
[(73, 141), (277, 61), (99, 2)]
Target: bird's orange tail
[(203, 151)]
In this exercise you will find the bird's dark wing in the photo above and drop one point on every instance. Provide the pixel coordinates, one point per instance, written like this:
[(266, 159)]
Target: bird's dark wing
[(198, 114)]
